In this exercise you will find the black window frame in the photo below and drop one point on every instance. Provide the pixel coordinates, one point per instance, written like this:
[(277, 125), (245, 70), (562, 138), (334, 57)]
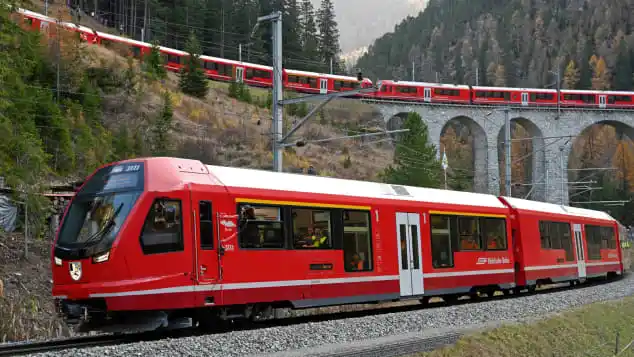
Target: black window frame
[(282, 221), (368, 265), (210, 222), (154, 249), (450, 240), (331, 229)]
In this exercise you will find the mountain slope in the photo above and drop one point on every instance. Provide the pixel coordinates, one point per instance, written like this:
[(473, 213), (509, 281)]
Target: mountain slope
[(513, 43)]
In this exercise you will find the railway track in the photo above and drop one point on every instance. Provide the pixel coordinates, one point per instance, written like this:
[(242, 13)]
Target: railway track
[(16, 349), (412, 345)]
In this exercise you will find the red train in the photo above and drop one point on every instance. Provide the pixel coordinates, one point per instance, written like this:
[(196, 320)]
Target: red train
[(154, 240), (220, 69)]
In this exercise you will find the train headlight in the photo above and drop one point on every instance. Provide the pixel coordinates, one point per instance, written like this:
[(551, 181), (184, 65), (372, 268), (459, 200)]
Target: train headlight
[(58, 261), (101, 258)]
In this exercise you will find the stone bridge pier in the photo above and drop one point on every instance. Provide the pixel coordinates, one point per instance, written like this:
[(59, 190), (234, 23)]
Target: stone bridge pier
[(552, 137)]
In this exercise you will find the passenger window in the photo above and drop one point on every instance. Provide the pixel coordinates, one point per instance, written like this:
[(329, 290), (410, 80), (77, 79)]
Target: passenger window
[(206, 225), (357, 241), (469, 233), (441, 252), (495, 232), (261, 227), (311, 228), (163, 231)]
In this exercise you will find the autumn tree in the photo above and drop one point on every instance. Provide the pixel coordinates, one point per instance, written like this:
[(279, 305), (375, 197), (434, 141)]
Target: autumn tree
[(571, 75), (500, 76), (415, 158), (600, 73)]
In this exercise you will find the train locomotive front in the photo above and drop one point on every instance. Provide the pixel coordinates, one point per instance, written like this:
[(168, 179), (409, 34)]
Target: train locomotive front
[(104, 260)]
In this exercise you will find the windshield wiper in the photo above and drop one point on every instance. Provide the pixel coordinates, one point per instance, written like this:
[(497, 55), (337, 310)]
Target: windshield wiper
[(97, 237)]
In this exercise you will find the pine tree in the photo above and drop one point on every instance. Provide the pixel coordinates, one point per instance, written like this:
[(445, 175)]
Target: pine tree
[(292, 33), (415, 161), (571, 76), (154, 63), (309, 39), (622, 79), (162, 127), (192, 78), (329, 34)]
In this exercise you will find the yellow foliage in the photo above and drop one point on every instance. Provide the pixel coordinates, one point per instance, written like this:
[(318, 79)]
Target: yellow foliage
[(571, 75), (600, 73), (623, 158)]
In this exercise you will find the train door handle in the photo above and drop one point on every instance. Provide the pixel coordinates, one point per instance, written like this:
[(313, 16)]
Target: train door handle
[(203, 269)]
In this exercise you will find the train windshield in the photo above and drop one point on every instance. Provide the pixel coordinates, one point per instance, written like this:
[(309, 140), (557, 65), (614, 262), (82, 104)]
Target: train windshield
[(102, 206)]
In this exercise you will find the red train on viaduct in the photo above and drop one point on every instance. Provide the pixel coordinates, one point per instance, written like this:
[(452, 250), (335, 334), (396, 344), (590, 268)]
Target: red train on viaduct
[(220, 69), (149, 242)]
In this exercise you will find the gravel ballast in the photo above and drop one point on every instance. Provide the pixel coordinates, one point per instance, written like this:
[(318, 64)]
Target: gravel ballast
[(319, 334)]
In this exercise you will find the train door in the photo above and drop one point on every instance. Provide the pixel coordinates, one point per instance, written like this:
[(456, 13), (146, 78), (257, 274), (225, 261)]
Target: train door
[(427, 94), (581, 254), (602, 101), (239, 74), (204, 229), (524, 99), (409, 253), (323, 86)]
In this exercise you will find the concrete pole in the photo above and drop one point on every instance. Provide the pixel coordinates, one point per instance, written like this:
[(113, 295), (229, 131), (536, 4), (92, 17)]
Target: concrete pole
[(277, 93), (507, 142)]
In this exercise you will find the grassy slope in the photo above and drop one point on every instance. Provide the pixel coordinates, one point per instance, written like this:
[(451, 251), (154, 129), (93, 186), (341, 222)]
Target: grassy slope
[(588, 331)]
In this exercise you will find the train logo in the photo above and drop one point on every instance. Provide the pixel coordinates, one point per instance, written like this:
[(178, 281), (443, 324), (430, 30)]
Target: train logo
[(503, 260), (75, 270)]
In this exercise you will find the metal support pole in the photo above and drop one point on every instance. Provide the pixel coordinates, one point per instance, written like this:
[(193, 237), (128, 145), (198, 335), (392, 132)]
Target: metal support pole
[(558, 92), (240, 52), (330, 65), (507, 143), (46, 8), (563, 176), (413, 73), (278, 95)]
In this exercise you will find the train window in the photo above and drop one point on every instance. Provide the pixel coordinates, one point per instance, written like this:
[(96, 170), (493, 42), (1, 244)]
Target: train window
[(205, 222), (136, 52), (469, 235), (261, 227), (312, 228), (441, 250), (250, 73), (556, 235), (495, 233), (263, 74), (313, 82), (357, 241), (210, 66), (337, 85), (162, 230), (292, 79), (173, 59)]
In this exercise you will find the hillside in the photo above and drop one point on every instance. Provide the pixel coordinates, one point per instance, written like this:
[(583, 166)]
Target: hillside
[(513, 43)]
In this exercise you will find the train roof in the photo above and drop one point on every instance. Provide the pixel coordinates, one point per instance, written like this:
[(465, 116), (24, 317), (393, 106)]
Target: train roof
[(270, 180), (545, 207), (426, 84), (323, 75), (604, 92)]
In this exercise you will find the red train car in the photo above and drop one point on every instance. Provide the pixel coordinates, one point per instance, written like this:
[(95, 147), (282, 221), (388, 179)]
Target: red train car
[(182, 239), (320, 83), (421, 91), (574, 244), (517, 96)]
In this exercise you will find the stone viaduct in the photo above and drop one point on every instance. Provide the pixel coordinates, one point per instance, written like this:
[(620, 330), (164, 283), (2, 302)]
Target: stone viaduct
[(552, 132)]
